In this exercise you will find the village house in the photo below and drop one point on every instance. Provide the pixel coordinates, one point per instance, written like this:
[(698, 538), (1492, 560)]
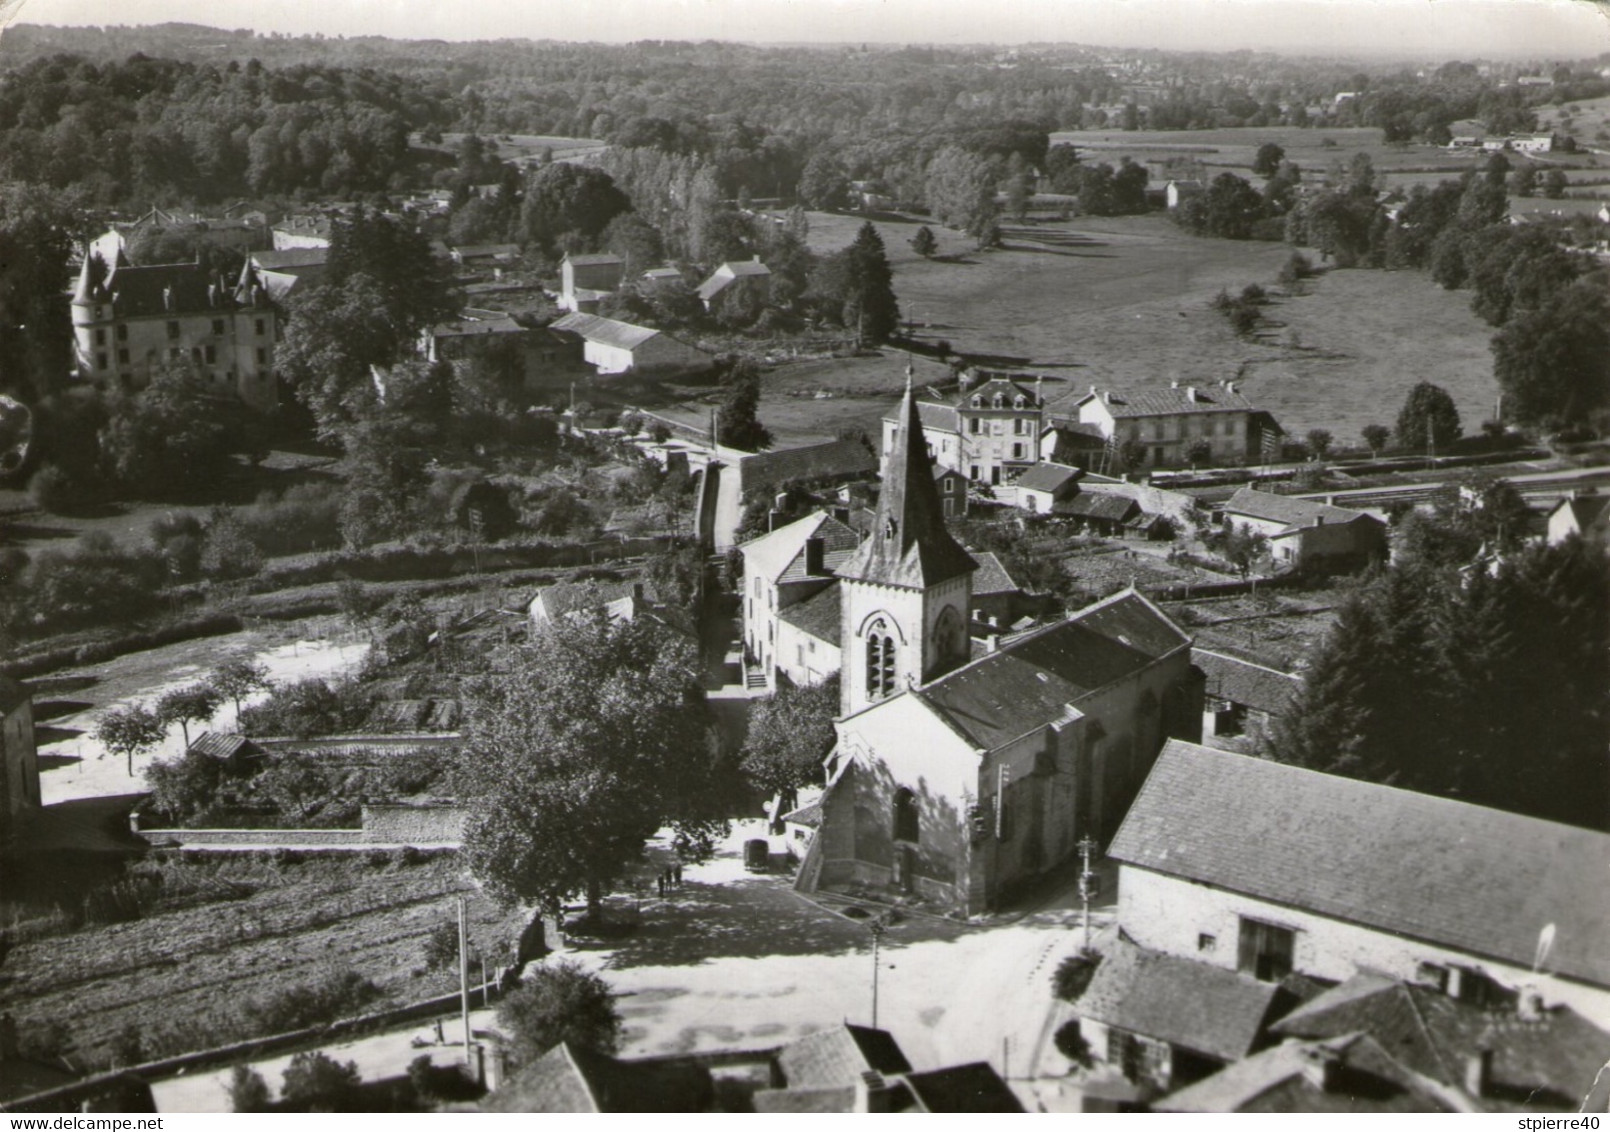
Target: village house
[(1167, 422), (128, 321), (662, 277), (1270, 870), (19, 759), (731, 480), (301, 232), (989, 432), (612, 347), (1242, 697), (585, 280), (524, 358), (1045, 485), (1176, 193), (1306, 534), (742, 280), (282, 271), (952, 487), (960, 780), (1587, 516), (794, 566), (485, 259)]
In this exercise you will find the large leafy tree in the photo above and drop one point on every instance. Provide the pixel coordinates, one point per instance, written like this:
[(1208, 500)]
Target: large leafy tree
[(788, 737), (35, 336), (561, 1002), (1428, 418), (193, 703), (333, 335), (596, 738), (129, 731), (569, 200), (1551, 362), (170, 438), (737, 422), (415, 290)]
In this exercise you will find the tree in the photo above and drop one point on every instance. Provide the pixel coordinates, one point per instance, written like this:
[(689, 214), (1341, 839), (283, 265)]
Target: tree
[(596, 738), (1239, 545), (248, 1092), (562, 199), (237, 679), (1268, 159), (559, 1002), (788, 737), (737, 425), (315, 1081), (170, 438), (1319, 442), (186, 787), (1555, 182), (194, 703), (823, 184), (415, 290), (129, 731), (1523, 182), (1199, 451), (1376, 436), (333, 335), (1428, 418), (869, 302), (923, 243), (1550, 362)]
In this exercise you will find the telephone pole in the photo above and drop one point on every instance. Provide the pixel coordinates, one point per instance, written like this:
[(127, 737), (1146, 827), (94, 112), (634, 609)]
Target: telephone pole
[(464, 981), (1087, 888)]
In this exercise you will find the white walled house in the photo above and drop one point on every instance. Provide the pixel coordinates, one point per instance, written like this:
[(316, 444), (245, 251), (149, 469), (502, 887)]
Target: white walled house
[(1167, 422), (784, 568), (1271, 869), (614, 347), (1304, 532), (988, 432)]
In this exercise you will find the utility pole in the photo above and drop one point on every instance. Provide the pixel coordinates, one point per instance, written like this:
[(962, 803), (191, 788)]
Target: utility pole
[(876, 926), (1087, 846), (464, 980)]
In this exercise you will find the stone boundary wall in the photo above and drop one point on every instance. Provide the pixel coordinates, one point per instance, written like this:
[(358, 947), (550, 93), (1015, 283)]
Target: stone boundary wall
[(425, 827)]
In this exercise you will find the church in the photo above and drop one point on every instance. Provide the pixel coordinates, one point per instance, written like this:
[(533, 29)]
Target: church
[(958, 779)]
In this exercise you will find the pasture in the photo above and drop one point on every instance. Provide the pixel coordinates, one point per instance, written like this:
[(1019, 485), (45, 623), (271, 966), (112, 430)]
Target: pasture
[(1124, 302)]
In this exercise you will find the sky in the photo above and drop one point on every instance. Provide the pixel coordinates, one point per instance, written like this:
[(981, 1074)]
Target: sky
[(1426, 28)]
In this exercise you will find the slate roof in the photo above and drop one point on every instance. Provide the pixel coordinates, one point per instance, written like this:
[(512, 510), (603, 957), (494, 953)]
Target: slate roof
[(992, 577), (599, 260), (608, 331), (934, 415), (819, 615), (838, 1098), (222, 746), (974, 1087), (487, 251), (569, 1078), (481, 322), (1288, 509), (161, 289), (910, 546), (287, 258), (1241, 682), (12, 695), (1048, 477), (1167, 402), (810, 814), (662, 273), (839, 1055), (729, 273), (1097, 505), (1589, 513), (780, 555), (833, 459), (563, 598), (1005, 386), (1545, 1065), (1364, 1079), (1030, 681), (1195, 1006), (1464, 877)]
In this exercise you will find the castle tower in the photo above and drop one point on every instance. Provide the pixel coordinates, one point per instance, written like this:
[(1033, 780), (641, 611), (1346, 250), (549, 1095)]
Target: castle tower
[(907, 590)]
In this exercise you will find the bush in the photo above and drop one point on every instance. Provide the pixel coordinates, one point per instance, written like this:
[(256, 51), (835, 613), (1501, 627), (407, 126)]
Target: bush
[(1071, 1043), (433, 1082), (1073, 975), (441, 947), (309, 707), (248, 1092), (306, 517), (559, 1003), (330, 997), (54, 490), (316, 1082)]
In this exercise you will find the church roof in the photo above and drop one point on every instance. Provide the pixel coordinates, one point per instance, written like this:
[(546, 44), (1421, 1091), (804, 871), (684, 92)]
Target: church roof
[(1029, 682), (909, 546)]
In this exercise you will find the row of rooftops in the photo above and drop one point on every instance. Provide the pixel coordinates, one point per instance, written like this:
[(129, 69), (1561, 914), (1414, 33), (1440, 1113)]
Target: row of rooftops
[(1003, 394)]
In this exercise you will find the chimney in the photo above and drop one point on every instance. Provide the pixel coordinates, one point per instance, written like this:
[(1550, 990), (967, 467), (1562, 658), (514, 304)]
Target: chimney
[(1039, 389), (1107, 396), (1229, 386), (842, 514), (814, 557), (1479, 1073), (771, 519), (1319, 520), (1190, 393), (1319, 1067), (1529, 1005), (779, 501), (872, 1093), (637, 593), (1174, 384), (1092, 390), (992, 643)]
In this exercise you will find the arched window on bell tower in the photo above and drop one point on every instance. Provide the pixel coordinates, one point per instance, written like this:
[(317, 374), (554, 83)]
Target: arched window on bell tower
[(880, 660)]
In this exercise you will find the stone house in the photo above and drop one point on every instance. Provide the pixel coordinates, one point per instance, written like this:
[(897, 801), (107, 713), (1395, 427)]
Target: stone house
[(742, 278), (989, 432), (584, 280), (1306, 534), (1167, 422), (794, 565), (1241, 696), (1270, 870), (1045, 485), (614, 347)]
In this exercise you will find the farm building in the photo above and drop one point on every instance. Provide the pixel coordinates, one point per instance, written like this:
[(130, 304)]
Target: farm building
[(1308, 534), (613, 347), (1166, 423), (586, 279), (735, 282)]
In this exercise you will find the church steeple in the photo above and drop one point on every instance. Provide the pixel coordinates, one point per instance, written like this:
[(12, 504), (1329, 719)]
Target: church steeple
[(909, 546)]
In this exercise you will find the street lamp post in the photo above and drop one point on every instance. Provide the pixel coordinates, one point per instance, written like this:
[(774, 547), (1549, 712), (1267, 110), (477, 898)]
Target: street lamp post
[(877, 926)]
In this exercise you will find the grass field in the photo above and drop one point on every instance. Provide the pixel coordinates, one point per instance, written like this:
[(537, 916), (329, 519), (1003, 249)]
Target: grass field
[(271, 925), (1124, 302)]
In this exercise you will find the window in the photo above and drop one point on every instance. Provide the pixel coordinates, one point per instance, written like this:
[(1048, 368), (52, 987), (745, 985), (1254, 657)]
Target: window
[(905, 815), (973, 425), (100, 361), (100, 335), (880, 650), (1017, 451), (217, 326), (122, 332), (212, 355), (262, 355), (122, 357), (972, 472), (173, 330), (999, 402), (1034, 503), (1018, 402), (195, 354), (1206, 942), (1432, 975), (978, 403), (261, 326), (1266, 950)]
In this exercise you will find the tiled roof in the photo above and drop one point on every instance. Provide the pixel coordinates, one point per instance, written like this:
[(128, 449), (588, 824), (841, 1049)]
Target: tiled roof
[(1548, 1064), (1195, 1006), (1590, 513), (1242, 682), (600, 260), (596, 328), (484, 251), (487, 322), (1464, 877), (839, 1055), (1029, 682), (662, 273), (810, 814), (1048, 477), (569, 1078), (1097, 505), (745, 267), (991, 577), (780, 555), (290, 258), (1167, 402), (819, 615), (975, 1087), (934, 416), (1363, 1077), (1288, 509), (729, 273), (562, 598), (835, 1098), (221, 745), (835, 458)]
